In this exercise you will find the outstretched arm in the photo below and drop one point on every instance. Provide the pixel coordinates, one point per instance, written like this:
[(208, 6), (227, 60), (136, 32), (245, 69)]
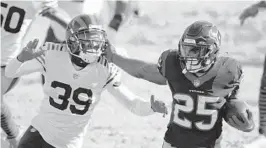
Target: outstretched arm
[(136, 104), (123, 95), (26, 62), (139, 69), (132, 102)]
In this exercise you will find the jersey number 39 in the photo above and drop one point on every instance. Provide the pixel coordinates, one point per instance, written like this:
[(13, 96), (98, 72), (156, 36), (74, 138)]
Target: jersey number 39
[(14, 12), (65, 98), (188, 107)]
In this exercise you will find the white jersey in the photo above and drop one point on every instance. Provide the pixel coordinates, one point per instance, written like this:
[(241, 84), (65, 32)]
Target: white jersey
[(70, 96), (16, 17)]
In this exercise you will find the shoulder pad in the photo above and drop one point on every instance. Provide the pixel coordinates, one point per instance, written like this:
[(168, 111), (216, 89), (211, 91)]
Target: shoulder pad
[(161, 64)]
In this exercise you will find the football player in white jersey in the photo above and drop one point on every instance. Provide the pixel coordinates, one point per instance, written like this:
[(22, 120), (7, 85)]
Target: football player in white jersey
[(17, 19), (111, 14), (75, 74)]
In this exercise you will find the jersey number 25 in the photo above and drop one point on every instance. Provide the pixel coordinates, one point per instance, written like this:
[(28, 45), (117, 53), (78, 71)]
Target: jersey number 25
[(201, 110), (65, 98)]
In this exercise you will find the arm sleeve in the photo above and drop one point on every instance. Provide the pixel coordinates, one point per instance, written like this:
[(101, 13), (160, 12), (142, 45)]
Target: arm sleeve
[(16, 69), (132, 102), (161, 64)]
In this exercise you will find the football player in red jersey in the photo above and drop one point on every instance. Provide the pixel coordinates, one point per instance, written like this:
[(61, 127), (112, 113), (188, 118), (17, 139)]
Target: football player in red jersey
[(201, 83), (252, 11)]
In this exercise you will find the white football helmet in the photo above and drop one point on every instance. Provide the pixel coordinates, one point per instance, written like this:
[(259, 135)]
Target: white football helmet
[(85, 38)]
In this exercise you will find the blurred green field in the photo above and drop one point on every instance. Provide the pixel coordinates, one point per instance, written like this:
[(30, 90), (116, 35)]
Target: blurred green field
[(158, 29)]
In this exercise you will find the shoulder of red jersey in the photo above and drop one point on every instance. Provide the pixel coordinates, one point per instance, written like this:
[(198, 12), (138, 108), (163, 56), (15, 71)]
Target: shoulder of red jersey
[(161, 64), (113, 72)]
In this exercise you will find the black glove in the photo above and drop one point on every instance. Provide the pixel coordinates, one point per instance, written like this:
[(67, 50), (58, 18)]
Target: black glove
[(116, 22)]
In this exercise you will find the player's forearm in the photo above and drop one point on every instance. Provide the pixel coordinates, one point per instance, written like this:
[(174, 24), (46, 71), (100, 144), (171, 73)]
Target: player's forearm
[(135, 104), (15, 68), (131, 66), (141, 107), (140, 69)]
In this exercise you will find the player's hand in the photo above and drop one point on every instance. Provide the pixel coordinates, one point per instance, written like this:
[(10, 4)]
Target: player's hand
[(245, 125), (158, 106), (262, 130), (251, 11), (29, 52), (109, 51)]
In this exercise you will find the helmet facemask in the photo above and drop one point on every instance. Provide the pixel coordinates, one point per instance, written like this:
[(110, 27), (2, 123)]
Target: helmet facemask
[(197, 57), (87, 44), (199, 46)]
